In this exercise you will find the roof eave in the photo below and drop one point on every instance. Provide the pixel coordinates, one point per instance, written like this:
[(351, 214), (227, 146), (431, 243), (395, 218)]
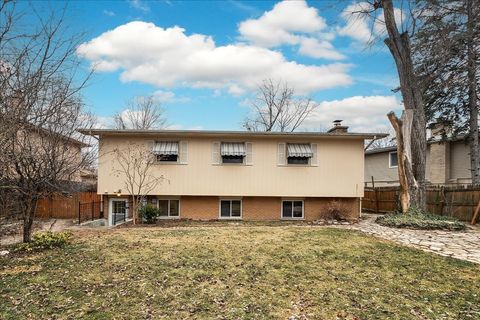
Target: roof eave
[(100, 132)]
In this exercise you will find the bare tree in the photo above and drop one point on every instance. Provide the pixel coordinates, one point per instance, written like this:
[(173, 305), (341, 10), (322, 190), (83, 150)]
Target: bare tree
[(40, 110), (141, 113), (388, 141), (134, 164), (277, 109), (411, 129)]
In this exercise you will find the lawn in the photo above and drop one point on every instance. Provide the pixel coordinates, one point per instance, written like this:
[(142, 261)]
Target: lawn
[(236, 272)]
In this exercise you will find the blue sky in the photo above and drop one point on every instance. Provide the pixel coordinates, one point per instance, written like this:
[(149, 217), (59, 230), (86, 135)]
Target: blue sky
[(204, 59)]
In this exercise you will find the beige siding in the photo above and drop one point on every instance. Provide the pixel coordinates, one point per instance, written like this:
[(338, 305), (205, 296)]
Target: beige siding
[(339, 172)]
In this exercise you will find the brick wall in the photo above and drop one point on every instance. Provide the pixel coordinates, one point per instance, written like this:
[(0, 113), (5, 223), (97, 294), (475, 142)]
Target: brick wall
[(267, 208), (262, 208)]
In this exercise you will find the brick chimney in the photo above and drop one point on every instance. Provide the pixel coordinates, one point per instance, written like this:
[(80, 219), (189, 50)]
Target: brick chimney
[(338, 128), (440, 130)]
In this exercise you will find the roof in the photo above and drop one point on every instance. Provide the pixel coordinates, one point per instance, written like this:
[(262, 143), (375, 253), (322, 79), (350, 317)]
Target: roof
[(429, 141), (381, 150), (33, 127), (215, 133)]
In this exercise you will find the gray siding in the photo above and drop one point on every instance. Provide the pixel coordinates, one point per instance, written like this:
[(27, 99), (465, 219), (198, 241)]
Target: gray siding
[(376, 165), (460, 162)]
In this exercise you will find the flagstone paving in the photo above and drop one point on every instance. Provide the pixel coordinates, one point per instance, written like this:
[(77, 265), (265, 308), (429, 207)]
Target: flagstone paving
[(463, 245)]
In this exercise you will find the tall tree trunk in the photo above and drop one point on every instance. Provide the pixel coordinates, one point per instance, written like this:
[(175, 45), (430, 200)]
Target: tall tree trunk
[(28, 217), (415, 139), (472, 98), (408, 184)]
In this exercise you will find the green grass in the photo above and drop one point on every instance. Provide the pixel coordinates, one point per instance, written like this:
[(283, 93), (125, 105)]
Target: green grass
[(255, 272)]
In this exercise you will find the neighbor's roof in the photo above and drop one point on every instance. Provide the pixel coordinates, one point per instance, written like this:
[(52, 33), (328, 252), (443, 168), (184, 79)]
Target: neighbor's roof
[(214, 133), (429, 141)]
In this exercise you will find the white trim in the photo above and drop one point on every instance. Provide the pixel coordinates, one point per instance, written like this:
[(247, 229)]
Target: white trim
[(230, 217), (168, 208), (110, 208), (390, 160), (292, 218)]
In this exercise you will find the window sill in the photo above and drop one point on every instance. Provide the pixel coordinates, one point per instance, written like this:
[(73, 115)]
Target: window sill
[(230, 218), (287, 219)]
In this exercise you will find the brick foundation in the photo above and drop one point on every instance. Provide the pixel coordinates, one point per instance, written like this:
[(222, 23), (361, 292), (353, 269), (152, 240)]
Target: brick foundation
[(264, 208)]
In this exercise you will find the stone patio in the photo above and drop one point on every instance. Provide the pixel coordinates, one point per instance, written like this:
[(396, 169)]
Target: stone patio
[(464, 245)]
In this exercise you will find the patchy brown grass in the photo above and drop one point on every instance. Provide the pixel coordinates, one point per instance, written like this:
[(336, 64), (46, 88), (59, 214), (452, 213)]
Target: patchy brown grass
[(236, 272)]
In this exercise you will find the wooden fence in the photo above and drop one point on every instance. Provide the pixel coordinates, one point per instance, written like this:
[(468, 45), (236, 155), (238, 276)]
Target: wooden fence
[(64, 207), (458, 202)]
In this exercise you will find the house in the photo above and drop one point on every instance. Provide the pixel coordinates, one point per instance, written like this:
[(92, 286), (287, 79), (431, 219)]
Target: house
[(448, 161), (240, 175)]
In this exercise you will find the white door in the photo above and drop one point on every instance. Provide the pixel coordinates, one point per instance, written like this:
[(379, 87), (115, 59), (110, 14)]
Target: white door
[(118, 212)]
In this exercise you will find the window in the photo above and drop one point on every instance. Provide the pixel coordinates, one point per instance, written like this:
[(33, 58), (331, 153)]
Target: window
[(299, 153), (167, 157), (230, 209), (297, 160), (232, 159), (292, 209), (169, 208), (166, 151), (232, 152), (393, 159)]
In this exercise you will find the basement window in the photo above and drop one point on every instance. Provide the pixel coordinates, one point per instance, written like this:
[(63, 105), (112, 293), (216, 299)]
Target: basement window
[(292, 209), (230, 209), (169, 208), (393, 159)]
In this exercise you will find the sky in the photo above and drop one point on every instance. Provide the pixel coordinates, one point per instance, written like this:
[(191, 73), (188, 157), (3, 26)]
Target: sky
[(203, 60)]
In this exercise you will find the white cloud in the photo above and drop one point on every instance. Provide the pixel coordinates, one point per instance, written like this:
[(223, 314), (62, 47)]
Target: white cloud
[(318, 49), (109, 13), (168, 96), (278, 26), (139, 5), (356, 26), (291, 23), (363, 27), (168, 57), (360, 113)]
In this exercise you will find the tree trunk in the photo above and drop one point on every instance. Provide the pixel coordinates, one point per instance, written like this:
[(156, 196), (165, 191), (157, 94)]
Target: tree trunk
[(472, 99), (408, 184), (28, 217), (415, 141)]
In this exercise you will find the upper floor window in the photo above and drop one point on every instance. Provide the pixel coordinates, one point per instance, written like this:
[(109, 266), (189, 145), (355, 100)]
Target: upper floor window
[(232, 152), (299, 153), (166, 151), (393, 159)]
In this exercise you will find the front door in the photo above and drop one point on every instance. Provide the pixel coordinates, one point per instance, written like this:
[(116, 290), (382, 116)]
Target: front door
[(118, 211)]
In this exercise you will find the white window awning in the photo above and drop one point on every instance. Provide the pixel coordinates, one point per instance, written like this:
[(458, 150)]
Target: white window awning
[(232, 149), (165, 148), (299, 150)]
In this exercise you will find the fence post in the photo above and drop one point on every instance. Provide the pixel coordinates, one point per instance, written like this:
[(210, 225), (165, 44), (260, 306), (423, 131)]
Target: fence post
[(375, 191), (79, 212), (93, 211)]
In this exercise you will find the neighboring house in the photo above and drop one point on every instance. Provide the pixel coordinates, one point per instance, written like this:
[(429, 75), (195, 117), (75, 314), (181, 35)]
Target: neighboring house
[(241, 175), (88, 177), (448, 162)]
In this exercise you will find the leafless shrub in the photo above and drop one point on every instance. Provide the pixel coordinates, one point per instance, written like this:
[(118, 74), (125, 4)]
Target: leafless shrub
[(338, 210)]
